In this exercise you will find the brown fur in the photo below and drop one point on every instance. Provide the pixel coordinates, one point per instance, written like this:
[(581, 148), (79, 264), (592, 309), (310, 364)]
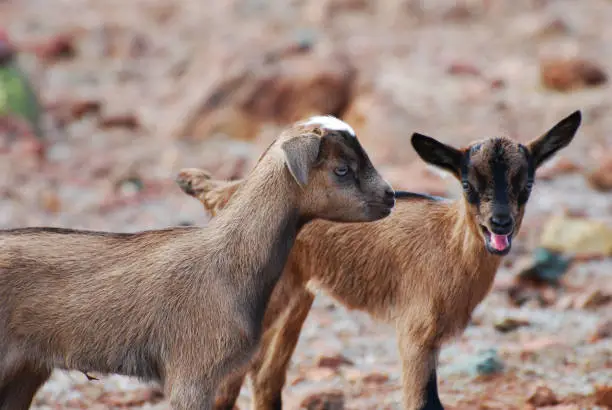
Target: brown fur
[(182, 306), (424, 269)]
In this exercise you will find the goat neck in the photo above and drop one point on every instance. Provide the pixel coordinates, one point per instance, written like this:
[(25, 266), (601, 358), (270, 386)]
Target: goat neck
[(258, 228)]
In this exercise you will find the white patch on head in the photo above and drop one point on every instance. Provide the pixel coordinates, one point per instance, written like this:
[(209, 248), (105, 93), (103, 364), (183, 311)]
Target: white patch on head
[(331, 123)]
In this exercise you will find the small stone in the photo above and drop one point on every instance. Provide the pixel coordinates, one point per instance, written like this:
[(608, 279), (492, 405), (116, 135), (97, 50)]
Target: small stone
[(592, 299), (463, 69), (542, 396), (127, 120), (80, 108), (603, 331), (375, 378), (488, 362), (333, 362), (331, 400), (571, 74), (50, 201), (59, 47), (509, 324), (575, 235)]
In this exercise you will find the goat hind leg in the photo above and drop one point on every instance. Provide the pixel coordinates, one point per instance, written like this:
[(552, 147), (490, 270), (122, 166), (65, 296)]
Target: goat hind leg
[(269, 370), (229, 391), (18, 392)]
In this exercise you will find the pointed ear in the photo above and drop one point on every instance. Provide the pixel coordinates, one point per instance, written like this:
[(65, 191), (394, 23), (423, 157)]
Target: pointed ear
[(556, 138), (437, 153), (301, 153), (193, 180)]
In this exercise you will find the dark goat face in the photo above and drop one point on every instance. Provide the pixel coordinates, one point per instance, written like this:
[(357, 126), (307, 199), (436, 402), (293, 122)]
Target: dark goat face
[(497, 176)]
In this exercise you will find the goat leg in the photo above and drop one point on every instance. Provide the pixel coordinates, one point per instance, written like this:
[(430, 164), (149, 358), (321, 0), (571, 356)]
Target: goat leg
[(269, 370), (18, 392), (230, 390), (419, 358), (190, 394)]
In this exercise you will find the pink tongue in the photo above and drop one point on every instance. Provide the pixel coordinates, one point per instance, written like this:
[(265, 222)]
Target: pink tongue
[(499, 242)]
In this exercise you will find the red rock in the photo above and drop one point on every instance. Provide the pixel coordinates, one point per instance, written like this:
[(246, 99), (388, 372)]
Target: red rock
[(59, 47), (283, 87), (463, 69), (542, 396), (570, 74), (80, 108), (497, 84), (333, 362), (603, 396), (375, 378), (331, 400), (128, 120)]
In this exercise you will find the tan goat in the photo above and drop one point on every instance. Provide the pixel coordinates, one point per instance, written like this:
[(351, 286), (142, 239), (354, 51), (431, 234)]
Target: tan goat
[(423, 269), (181, 306)]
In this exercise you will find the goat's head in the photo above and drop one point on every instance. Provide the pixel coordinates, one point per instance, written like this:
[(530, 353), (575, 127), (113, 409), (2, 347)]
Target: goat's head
[(497, 175), (338, 182)]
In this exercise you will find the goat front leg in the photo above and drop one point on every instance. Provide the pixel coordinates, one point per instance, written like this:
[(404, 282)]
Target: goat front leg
[(269, 370), (190, 394), (419, 378), (18, 392)]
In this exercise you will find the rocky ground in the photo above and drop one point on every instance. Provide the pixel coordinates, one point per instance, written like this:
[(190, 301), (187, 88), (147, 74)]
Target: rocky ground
[(134, 91)]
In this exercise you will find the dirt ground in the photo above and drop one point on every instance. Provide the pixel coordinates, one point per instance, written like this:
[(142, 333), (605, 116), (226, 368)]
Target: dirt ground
[(134, 91)]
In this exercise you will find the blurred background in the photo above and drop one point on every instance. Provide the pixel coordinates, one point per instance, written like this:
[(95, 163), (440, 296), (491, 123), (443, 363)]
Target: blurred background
[(103, 102)]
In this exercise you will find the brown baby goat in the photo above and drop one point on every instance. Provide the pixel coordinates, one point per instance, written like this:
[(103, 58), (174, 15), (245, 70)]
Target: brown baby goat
[(424, 269), (180, 306)]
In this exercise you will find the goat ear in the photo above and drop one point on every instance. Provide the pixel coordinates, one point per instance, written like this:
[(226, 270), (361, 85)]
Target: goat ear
[(193, 180), (436, 153), (300, 155), (556, 138)]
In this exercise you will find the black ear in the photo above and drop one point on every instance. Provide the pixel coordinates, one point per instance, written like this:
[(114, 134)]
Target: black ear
[(437, 153), (301, 153), (556, 138)]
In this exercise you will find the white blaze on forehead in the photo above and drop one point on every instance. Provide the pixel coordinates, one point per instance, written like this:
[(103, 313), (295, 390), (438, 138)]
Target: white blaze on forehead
[(331, 123)]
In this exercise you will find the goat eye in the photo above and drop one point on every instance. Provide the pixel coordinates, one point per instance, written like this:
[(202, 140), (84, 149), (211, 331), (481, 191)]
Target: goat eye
[(529, 186), (467, 187), (341, 171)]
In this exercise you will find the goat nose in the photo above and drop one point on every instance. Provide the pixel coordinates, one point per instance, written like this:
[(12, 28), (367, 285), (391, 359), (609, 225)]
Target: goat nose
[(501, 223), (389, 198)]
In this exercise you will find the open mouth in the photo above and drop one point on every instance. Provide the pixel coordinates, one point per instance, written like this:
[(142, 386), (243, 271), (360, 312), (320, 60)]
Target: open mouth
[(498, 244)]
